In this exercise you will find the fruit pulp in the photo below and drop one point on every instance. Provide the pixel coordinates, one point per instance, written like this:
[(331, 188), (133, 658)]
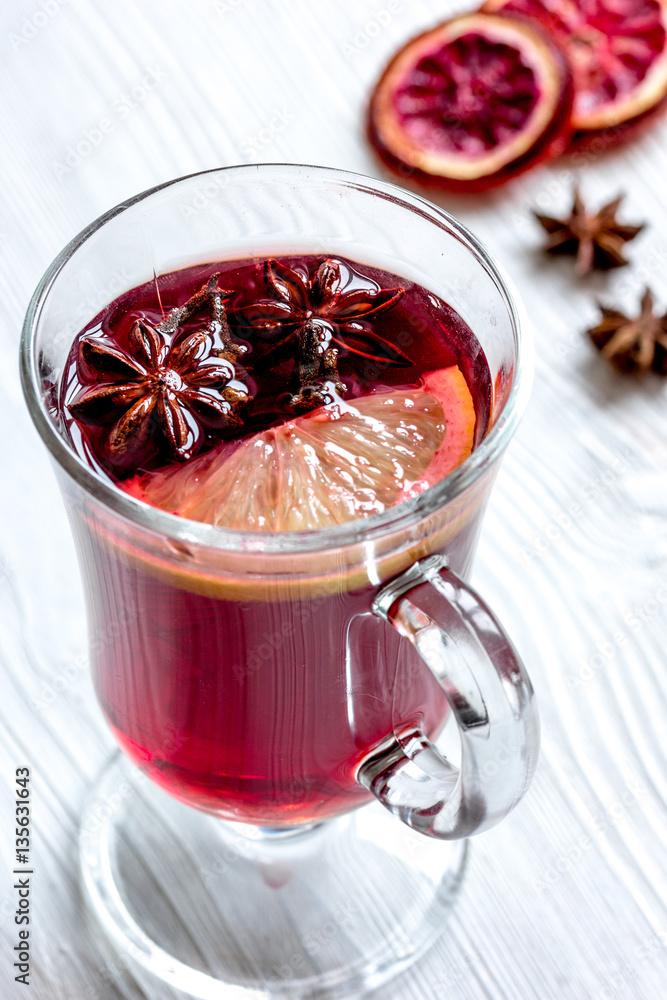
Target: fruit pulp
[(426, 332), (618, 55), (260, 710), (472, 103)]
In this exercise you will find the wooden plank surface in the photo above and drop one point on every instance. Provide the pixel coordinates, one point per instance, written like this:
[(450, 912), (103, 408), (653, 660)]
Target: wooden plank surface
[(567, 899)]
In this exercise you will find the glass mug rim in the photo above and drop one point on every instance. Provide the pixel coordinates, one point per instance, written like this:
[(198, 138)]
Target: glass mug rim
[(395, 519)]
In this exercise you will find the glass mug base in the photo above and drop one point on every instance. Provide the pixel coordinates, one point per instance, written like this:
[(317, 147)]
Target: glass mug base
[(373, 637), (245, 913)]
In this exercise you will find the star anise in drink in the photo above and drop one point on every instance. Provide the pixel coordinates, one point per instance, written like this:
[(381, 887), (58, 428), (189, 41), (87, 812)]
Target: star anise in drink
[(316, 316), (634, 346), (162, 393), (596, 239)]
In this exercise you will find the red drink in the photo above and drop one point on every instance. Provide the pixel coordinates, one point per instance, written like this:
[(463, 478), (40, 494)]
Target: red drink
[(257, 700)]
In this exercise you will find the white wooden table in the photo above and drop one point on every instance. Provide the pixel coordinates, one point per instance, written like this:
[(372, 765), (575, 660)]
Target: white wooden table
[(567, 900)]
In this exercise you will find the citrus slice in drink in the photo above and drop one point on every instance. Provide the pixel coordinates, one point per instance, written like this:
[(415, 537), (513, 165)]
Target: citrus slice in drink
[(473, 102), (618, 53), (337, 463)]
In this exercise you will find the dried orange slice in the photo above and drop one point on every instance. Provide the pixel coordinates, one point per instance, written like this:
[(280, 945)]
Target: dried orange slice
[(340, 462), (618, 53), (473, 102)]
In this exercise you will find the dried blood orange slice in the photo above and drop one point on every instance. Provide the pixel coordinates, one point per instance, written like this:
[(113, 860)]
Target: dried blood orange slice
[(618, 53), (339, 462), (473, 102)]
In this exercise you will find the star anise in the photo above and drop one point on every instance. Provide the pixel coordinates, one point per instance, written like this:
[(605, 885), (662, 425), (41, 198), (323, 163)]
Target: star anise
[(633, 345), (163, 392), (595, 238), (319, 316)]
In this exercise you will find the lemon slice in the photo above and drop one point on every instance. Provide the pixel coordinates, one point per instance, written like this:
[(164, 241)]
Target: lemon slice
[(342, 461)]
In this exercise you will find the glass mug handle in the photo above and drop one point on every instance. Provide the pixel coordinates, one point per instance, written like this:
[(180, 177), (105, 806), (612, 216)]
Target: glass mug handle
[(491, 698)]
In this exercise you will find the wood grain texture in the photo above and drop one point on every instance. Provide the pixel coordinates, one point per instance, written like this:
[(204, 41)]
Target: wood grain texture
[(568, 898)]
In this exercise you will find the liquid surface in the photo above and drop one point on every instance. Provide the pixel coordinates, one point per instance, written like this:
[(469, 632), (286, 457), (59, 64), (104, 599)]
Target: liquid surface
[(394, 348), (260, 710)]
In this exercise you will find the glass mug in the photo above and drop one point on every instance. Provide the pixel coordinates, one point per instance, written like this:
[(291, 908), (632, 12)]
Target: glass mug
[(277, 681)]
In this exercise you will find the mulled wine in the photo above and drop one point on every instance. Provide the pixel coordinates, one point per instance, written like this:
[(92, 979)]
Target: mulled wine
[(275, 464), (266, 395)]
